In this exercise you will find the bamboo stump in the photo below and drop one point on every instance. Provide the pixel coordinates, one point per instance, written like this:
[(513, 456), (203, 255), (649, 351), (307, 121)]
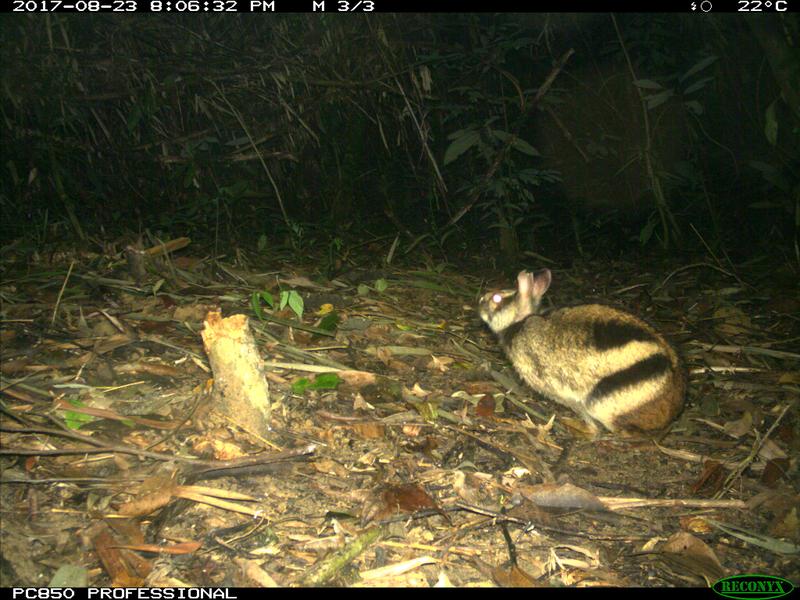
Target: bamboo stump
[(241, 391)]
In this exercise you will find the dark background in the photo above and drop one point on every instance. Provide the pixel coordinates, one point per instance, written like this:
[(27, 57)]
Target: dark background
[(469, 136)]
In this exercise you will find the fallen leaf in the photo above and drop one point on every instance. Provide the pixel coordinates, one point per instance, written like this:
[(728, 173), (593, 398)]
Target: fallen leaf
[(775, 470), (514, 577), (485, 407), (691, 553), (124, 568), (419, 392), (369, 430), (740, 427), (731, 320), (441, 364), (565, 495), (391, 499), (147, 502), (711, 479), (787, 525)]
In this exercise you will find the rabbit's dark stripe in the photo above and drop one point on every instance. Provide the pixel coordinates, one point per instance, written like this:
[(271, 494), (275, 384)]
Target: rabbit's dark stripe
[(651, 367), (614, 334)]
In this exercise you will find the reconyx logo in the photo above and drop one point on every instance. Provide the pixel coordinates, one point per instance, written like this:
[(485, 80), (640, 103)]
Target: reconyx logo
[(748, 587)]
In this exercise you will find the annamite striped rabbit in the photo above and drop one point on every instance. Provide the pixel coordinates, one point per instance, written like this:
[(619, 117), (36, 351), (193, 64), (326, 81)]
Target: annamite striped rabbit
[(607, 365)]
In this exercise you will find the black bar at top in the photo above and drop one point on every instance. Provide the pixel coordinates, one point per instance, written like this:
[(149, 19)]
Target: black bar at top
[(698, 7)]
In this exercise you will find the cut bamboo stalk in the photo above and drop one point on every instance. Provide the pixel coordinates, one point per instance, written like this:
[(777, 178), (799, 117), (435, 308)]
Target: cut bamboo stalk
[(241, 390)]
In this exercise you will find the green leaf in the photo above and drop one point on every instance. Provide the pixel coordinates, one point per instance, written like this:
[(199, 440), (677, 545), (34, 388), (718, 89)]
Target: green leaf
[(460, 145), (524, 147), (362, 289), (76, 420), (255, 306), (648, 84), (255, 303), (330, 321), (658, 99), (70, 576), (296, 303), (501, 135), (699, 66), (323, 381), (299, 386), (694, 107), (771, 125), (771, 174), (697, 85), (381, 285), (764, 168), (647, 231), (427, 410), (326, 381), (457, 134)]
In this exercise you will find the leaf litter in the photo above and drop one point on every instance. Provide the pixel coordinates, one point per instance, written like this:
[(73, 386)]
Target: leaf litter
[(401, 449)]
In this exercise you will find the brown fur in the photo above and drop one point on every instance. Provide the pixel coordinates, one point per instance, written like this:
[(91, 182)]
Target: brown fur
[(607, 365), (660, 412)]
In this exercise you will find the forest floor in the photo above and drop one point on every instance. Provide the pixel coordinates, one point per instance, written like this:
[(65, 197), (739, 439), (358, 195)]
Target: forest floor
[(402, 449)]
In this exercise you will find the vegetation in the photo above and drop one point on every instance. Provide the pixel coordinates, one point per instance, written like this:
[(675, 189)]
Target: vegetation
[(457, 130)]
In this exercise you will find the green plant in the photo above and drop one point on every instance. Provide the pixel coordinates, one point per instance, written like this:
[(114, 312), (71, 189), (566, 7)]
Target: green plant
[(507, 192), (323, 381), (289, 298), (380, 286)]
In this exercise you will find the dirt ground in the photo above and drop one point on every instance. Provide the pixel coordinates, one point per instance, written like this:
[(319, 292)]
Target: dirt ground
[(403, 450)]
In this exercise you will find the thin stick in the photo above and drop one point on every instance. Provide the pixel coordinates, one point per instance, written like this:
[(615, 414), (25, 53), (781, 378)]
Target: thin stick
[(753, 453), (61, 293)]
